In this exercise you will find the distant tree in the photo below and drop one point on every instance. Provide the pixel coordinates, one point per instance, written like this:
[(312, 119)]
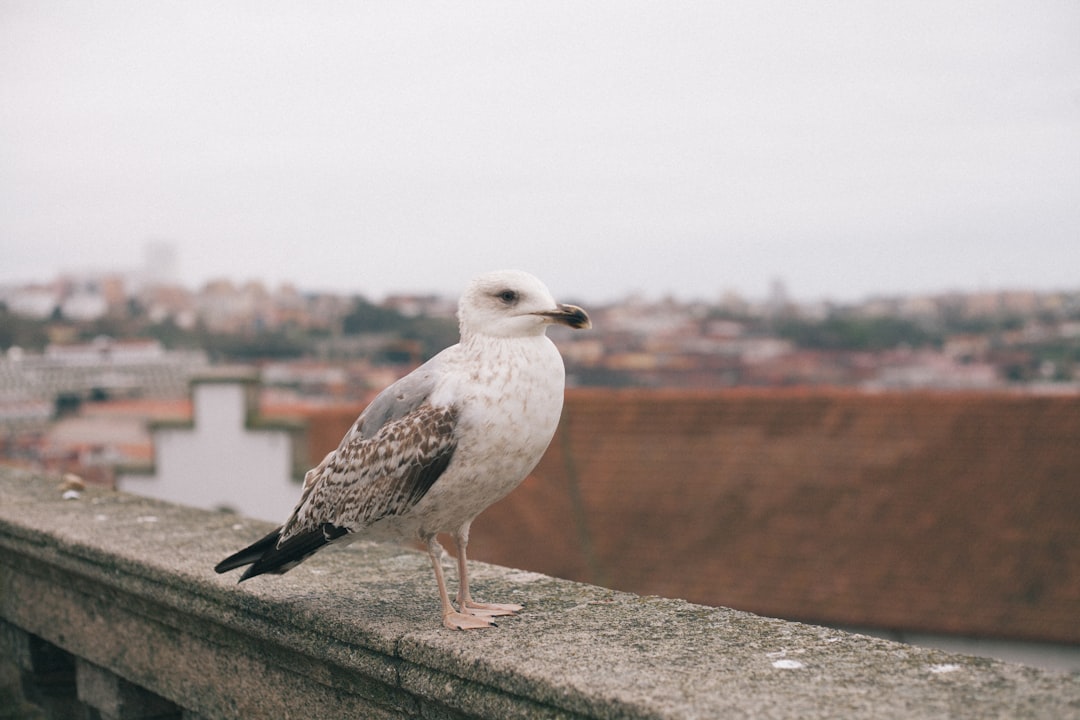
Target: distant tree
[(838, 332), (1063, 355), (171, 335), (433, 334), (24, 332), (247, 348), (604, 377), (366, 317), (956, 323), (113, 327), (134, 308)]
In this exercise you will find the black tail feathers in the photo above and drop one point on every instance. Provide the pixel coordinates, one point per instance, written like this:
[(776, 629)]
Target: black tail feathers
[(251, 553), (264, 555)]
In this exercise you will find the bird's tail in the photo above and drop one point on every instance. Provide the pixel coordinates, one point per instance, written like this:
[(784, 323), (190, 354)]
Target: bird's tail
[(266, 556)]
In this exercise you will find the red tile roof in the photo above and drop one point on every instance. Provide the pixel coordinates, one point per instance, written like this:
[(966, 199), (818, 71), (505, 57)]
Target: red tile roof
[(325, 428), (953, 513)]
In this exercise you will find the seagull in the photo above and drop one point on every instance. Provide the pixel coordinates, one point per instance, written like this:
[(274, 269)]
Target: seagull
[(436, 448)]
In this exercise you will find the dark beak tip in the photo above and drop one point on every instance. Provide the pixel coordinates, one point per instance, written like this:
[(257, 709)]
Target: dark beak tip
[(575, 317), (569, 315)]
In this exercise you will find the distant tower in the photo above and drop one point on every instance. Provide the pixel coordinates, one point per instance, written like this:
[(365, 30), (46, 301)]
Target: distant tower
[(779, 300), (778, 305), (160, 266)]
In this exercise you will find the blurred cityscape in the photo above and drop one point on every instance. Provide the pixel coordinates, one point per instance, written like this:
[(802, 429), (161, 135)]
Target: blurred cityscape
[(327, 343), (86, 337), (222, 396), (83, 342)]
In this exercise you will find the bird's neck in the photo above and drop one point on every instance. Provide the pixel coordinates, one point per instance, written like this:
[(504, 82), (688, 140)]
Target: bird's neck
[(483, 342), (496, 352)]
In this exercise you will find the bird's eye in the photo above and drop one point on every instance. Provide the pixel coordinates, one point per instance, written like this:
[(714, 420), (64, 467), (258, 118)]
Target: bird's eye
[(508, 296)]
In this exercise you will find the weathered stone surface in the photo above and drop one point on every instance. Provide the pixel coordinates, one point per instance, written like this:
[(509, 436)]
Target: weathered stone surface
[(117, 699), (44, 676), (127, 584), (13, 703)]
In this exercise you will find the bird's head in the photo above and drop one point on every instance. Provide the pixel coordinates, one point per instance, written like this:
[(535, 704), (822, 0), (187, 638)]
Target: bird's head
[(512, 303)]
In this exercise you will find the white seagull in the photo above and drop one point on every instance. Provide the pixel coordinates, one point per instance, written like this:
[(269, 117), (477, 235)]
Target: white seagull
[(440, 445)]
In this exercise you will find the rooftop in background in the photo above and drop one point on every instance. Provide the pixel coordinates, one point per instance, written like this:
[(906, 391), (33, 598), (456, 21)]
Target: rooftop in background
[(102, 369), (938, 512)]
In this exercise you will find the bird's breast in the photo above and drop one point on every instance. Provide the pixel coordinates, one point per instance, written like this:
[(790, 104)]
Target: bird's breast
[(509, 407), (515, 402)]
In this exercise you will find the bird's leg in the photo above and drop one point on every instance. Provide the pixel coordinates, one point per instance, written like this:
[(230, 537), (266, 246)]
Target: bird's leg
[(451, 618), (465, 601)]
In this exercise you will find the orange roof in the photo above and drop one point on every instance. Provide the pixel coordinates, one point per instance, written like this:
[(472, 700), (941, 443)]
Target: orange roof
[(954, 513), (325, 428), (152, 408)]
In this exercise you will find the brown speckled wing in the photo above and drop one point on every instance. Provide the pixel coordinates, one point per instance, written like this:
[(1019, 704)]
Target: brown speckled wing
[(366, 479)]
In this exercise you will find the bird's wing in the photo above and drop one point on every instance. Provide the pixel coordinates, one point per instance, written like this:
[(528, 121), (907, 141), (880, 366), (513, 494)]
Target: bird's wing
[(364, 480), (387, 461), (369, 478), (398, 399)]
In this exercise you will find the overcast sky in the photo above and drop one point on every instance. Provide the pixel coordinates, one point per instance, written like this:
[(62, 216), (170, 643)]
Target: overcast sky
[(849, 148)]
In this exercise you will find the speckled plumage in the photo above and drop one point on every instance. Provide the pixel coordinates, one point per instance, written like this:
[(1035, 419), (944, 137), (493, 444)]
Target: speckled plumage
[(437, 447)]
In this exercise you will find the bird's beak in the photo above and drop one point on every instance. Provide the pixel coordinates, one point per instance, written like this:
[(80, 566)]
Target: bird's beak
[(570, 315)]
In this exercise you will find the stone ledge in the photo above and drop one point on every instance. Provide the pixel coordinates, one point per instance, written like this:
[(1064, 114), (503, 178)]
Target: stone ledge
[(125, 584)]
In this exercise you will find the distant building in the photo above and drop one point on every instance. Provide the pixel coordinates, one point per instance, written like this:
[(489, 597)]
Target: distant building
[(84, 306), (160, 263), (226, 457), (34, 301), (232, 456), (98, 370)]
